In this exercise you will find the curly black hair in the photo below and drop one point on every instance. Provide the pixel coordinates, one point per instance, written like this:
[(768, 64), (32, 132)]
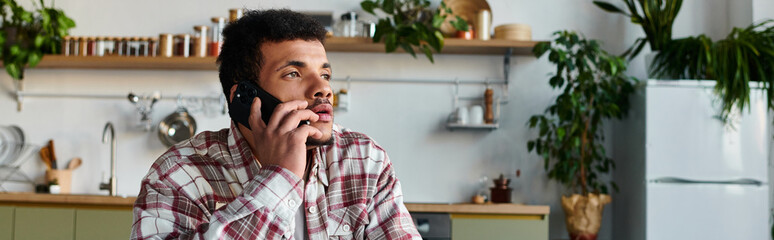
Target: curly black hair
[(241, 58)]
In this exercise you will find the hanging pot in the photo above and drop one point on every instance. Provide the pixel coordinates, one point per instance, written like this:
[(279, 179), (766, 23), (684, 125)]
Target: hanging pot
[(583, 214), (177, 127)]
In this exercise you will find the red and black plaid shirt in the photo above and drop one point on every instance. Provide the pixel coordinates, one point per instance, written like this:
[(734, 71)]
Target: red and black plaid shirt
[(210, 187)]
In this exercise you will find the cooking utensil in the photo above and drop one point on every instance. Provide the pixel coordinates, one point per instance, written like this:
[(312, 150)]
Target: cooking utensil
[(177, 127), (45, 156), (74, 163), (466, 9), (52, 154)]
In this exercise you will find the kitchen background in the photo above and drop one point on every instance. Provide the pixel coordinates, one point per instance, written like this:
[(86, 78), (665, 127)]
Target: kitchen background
[(408, 119)]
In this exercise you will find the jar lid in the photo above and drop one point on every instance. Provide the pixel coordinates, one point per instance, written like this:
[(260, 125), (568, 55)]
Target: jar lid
[(349, 16), (218, 19), (201, 28)]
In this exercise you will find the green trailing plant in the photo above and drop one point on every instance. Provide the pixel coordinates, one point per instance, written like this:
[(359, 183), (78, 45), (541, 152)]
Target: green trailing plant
[(745, 55), (411, 24), (25, 36), (656, 18), (593, 88)]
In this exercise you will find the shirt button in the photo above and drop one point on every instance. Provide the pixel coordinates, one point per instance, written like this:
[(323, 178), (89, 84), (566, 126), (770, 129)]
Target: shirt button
[(345, 228), (312, 209), (291, 203)]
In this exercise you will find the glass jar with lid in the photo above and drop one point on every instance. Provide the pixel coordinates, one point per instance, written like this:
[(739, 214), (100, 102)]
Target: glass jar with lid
[(348, 26)]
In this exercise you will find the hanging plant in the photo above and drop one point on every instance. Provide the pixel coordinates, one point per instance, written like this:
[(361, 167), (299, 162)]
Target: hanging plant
[(25, 36), (410, 25)]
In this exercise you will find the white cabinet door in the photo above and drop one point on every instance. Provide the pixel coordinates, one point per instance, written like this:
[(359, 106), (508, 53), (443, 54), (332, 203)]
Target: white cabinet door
[(707, 211), (685, 139)]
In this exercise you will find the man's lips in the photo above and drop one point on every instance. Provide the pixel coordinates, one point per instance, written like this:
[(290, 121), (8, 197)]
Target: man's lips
[(324, 111)]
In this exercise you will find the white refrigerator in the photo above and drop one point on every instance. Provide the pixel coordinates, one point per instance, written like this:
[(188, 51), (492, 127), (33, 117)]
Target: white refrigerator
[(683, 174)]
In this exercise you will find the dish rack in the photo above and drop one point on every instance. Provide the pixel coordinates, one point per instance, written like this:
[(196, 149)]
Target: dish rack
[(11, 165)]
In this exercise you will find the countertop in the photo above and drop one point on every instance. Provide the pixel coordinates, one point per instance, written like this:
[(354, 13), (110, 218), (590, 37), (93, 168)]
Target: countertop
[(127, 202)]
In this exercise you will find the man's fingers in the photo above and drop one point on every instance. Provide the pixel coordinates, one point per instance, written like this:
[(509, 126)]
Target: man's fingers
[(255, 116), (293, 118), (301, 133), (284, 109)]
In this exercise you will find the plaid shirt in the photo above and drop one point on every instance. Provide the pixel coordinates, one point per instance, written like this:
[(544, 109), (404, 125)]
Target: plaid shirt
[(210, 187)]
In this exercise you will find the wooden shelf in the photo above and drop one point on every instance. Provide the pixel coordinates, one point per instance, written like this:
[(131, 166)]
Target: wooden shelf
[(484, 126), (335, 44), (451, 46)]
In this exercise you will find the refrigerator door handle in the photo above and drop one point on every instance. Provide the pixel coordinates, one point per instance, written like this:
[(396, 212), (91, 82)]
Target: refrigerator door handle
[(741, 181)]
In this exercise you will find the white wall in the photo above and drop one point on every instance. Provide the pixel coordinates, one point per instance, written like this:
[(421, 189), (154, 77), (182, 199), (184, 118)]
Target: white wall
[(434, 164)]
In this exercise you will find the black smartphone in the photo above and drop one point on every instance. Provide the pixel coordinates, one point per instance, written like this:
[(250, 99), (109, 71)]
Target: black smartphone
[(240, 106)]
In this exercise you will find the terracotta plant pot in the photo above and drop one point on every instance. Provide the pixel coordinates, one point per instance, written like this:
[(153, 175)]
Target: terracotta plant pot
[(583, 214)]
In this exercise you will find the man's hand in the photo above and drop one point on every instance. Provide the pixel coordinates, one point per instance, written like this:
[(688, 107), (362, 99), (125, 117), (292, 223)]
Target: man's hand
[(282, 142)]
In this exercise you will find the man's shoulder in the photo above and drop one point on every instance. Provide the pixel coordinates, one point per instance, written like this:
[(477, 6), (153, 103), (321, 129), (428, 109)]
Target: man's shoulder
[(348, 138), (196, 151), (357, 146)]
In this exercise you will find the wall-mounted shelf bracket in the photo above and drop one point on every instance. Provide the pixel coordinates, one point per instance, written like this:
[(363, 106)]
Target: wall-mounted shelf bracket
[(507, 65)]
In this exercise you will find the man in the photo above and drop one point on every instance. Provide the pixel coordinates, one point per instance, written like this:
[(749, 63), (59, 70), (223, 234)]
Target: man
[(275, 180)]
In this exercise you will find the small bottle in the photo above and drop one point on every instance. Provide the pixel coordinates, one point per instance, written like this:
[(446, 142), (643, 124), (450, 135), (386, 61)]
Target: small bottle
[(216, 40), (234, 14), (83, 42), (488, 111), (348, 26), (343, 99), (166, 45), (200, 41), (66, 45), (183, 44)]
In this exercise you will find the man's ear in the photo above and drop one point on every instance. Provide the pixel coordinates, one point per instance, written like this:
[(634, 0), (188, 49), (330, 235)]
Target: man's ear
[(231, 93)]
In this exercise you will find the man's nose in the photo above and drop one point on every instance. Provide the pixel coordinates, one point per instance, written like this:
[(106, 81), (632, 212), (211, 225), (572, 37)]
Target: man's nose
[(321, 88)]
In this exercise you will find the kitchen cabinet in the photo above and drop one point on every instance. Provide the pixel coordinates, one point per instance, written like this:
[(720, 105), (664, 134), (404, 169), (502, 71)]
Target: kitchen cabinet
[(6, 223), (112, 224), (44, 223), (480, 226)]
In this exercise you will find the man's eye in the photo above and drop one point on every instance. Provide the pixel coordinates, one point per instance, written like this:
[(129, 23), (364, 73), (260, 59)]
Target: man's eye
[(326, 77), (293, 75)]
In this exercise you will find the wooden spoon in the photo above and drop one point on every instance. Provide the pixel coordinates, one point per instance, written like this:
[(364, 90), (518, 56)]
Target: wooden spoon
[(45, 156), (74, 163)]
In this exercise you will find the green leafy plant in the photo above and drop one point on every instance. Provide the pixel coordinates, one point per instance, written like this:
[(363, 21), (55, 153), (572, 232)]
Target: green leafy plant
[(593, 88), (410, 24), (656, 18), (745, 55), (25, 36)]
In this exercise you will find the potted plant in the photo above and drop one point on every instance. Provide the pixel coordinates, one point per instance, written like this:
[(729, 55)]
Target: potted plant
[(593, 88), (744, 56), (25, 36), (656, 18), (411, 24)]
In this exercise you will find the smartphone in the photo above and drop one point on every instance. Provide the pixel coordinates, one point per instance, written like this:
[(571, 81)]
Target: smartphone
[(240, 106)]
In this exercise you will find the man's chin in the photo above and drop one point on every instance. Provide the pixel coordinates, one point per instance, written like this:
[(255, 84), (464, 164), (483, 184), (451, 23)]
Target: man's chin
[(311, 142)]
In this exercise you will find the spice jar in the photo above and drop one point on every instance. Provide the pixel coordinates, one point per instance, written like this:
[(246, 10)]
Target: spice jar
[(100, 46), (144, 46), (66, 45), (153, 46), (200, 41), (82, 43), (91, 46), (125, 48), (234, 14), (166, 45), (182, 45), (216, 40)]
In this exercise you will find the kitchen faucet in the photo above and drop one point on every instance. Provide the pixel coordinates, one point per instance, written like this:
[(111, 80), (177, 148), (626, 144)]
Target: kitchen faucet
[(111, 184)]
